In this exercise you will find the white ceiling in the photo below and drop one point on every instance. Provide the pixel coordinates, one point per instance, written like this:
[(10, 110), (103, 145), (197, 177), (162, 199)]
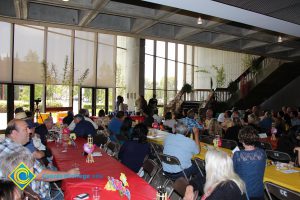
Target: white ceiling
[(248, 26)]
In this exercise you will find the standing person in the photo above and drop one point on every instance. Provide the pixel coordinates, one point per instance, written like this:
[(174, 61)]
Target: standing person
[(222, 183), (141, 105), (250, 163), (152, 104), (119, 100)]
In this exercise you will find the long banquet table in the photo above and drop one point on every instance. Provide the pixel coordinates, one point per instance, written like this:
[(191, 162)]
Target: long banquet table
[(98, 172), (290, 181)]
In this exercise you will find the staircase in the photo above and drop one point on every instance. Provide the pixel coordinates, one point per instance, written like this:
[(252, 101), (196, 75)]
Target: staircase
[(191, 105), (266, 83)]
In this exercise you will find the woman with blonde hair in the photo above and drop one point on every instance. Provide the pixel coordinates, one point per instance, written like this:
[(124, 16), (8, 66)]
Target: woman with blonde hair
[(222, 183)]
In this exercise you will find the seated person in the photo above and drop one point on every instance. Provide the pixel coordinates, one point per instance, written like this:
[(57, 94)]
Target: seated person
[(83, 128), (69, 118), (115, 125), (125, 131), (214, 128), (233, 131), (102, 121), (156, 116), (287, 143), (43, 130), (17, 135), (37, 154), (222, 183), (170, 122), (191, 122), (250, 163), (7, 164), (134, 151), (85, 114), (148, 114), (183, 148)]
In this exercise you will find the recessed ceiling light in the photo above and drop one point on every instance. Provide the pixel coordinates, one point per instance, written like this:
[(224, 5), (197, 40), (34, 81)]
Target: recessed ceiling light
[(279, 39), (65, 0), (199, 21)]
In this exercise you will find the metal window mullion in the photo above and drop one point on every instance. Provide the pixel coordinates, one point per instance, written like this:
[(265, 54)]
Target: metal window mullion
[(193, 62), (184, 67), (72, 63), (166, 74), (154, 67), (176, 68)]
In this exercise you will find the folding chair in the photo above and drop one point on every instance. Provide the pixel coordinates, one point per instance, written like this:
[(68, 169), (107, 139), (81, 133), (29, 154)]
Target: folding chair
[(158, 149), (206, 139), (229, 144), (264, 145), (180, 185), (112, 149), (281, 193), (150, 167), (171, 160), (278, 156), (201, 166)]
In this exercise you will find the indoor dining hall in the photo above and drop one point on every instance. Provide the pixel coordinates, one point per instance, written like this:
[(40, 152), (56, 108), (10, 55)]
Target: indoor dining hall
[(149, 100)]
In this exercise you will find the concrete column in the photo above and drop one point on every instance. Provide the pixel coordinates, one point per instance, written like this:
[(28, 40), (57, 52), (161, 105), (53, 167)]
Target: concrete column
[(132, 71)]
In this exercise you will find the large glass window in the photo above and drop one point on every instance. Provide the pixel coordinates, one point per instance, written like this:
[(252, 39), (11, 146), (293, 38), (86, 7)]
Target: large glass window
[(84, 62), (180, 66), (120, 70), (5, 55), (171, 72), (106, 60), (86, 99), (100, 100), (3, 106), (58, 69), (58, 54), (160, 73), (28, 54), (58, 96), (22, 96)]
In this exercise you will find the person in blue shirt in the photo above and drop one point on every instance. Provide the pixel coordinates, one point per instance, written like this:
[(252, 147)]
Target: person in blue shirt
[(250, 163), (191, 122), (115, 126), (83, 128), (134, 151), (183, 148)]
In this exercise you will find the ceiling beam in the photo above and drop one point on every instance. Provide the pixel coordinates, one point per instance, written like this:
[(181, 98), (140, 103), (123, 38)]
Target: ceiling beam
[(91, 14), (17, 8), (155, 21), (224, 11), (24, 9)]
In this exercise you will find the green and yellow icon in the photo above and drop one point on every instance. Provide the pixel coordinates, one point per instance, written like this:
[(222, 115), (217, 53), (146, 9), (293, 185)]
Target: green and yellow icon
[(21, 176)]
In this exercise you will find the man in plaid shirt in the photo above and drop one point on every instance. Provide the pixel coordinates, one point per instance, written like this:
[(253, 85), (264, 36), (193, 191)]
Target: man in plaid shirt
[(17, 135)]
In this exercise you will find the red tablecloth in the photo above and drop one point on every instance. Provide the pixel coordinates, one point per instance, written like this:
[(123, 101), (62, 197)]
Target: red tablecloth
[(272, 142), (104, 166), (137, 118)]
